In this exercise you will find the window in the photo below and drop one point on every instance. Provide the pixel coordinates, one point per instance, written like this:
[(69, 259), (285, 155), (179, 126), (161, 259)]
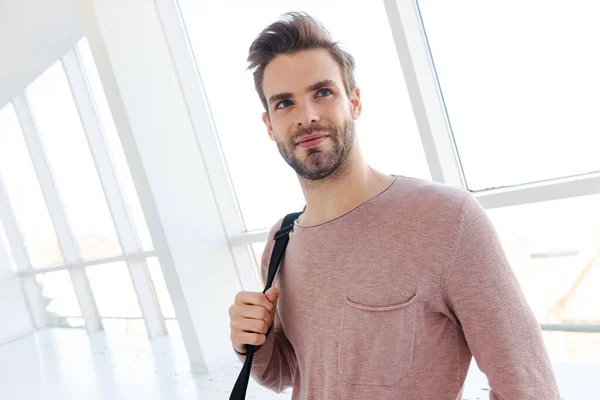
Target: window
[(57, 123), (256, 252), (113, 291), (72, 164), (265, 185), (57, 288), (160, 287), (573, 347), (125, 325), (114, 143), (521, 95), (554, 250), (25, 194), (173, 328), (164, 299), (5, 249)]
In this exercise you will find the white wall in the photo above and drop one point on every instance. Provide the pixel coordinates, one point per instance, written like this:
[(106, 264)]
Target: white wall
[(33, 34)]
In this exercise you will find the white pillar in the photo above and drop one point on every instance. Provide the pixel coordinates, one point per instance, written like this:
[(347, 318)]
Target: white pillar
[(163, 153)]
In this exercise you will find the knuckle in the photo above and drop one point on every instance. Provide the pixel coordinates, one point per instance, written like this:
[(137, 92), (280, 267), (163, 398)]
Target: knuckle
[(265, 315), (262, 327)]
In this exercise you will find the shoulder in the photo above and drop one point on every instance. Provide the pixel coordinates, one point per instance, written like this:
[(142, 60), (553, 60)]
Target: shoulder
[(431, 199)]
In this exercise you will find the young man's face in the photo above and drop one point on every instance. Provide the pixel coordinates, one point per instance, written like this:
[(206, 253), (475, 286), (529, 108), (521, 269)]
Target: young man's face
[(311, 118)]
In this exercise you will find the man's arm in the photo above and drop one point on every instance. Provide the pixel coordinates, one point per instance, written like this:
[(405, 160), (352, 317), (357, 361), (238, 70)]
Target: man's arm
[(501, 330), (274, 364)]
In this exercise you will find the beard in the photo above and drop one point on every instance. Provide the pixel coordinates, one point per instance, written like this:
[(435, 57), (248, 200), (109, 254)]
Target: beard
[(319, 164)]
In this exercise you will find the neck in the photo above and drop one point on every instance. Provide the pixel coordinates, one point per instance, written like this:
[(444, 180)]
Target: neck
[(353, 183)]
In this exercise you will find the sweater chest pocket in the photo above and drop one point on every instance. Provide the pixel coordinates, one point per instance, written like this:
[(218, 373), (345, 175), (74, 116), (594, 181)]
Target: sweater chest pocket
[(376, 343)]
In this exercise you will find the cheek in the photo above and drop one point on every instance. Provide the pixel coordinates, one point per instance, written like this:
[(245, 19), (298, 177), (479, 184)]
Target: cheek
[(280, 131), (337, 112)]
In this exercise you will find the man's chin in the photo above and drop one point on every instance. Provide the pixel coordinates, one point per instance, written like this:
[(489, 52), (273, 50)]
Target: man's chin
[(316, 174)]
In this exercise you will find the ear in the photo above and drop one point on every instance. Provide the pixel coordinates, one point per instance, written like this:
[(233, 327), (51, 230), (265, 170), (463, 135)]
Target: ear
[(356, 104), (267, 121)]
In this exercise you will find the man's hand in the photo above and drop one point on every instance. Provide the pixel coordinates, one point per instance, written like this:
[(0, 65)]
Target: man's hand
[(251, 316)]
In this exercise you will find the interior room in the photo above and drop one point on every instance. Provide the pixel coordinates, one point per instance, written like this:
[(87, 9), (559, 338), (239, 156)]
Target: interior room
[(139, 184)]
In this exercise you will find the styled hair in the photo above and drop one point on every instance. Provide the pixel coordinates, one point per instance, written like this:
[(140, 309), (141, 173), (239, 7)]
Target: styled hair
[(291, 33)]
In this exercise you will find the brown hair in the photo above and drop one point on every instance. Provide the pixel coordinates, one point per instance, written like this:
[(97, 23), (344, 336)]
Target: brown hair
[(293, 32)]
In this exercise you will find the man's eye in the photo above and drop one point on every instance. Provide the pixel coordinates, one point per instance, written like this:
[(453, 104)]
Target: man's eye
[(323, 92), (284, 104)]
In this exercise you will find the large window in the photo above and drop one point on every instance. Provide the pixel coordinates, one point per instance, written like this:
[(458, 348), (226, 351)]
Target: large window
[(554, 250), (24, 193), (520, 82), (73, 168), (4, 247), (114, 143), (46, 154), (265, 185), (63, 308)]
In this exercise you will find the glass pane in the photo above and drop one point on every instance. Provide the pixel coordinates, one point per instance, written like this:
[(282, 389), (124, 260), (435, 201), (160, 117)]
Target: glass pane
[(76, 322), (573, 347), (125, 325), (25, 194), (173, 328), (114, 144), (256, 251), (387, 128), (57, 288), (113, 290), (72, 164), (554, 249), (160, 286), (523, 102), (5, 250)]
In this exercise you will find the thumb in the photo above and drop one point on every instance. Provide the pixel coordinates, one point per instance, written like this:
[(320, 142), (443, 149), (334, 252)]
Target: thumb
[(272, 295)]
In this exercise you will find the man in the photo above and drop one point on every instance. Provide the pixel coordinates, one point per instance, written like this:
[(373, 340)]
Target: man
[(390, 284)]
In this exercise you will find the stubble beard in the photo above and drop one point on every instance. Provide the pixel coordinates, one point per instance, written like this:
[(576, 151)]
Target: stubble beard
[(319, 165)]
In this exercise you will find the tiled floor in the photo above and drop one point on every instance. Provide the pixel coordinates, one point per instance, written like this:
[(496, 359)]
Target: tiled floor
[(65, 364)]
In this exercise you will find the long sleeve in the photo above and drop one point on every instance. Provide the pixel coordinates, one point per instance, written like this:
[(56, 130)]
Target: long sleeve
[(274, 364), (481, 290)]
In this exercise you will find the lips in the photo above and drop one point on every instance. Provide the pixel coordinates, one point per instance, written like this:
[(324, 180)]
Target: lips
[(311, 140)]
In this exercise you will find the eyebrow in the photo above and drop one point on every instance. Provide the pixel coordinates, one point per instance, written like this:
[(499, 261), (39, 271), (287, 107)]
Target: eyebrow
[(314, 86)]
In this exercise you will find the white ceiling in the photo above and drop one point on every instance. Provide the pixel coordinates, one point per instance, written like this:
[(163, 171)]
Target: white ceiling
[(33, 34)]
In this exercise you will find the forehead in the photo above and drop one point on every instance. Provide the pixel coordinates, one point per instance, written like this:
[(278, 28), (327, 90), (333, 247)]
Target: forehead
[(294, 72)]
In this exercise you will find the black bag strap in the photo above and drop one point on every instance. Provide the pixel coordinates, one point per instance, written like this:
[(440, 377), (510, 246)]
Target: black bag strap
[(282, 237)]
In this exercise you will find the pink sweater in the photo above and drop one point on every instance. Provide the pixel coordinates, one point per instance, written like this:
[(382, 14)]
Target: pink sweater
[(392, 300)]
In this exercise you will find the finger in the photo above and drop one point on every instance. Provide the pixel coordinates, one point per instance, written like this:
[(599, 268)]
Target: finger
[(255, 312), (250, 325), (272, 295), (255, 299), (242, 337), (251, 312)]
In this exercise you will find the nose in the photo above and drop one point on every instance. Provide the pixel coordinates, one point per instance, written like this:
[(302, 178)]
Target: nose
[(306, 114)]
